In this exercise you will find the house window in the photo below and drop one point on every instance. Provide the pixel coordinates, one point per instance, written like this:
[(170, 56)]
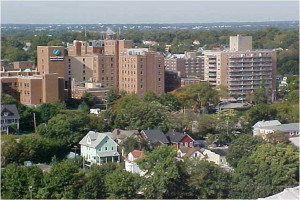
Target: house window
[(186, 144), (112, 148), (191, 144), (105, 148)]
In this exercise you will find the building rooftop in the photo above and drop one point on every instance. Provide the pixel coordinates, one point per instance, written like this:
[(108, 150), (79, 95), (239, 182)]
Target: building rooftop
[(266, 123), (284, 127), (155, 136), (11, 111)]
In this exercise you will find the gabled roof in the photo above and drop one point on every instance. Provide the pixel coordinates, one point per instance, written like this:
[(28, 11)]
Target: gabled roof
[(137, 154), (175, 136), (266, 123), (95, 137), (11, 109), (155, 136), (221, 152), (122, 134), (188, 151)]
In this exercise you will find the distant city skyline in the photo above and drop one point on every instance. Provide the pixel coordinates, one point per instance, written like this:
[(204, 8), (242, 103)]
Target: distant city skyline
[(93, 12)]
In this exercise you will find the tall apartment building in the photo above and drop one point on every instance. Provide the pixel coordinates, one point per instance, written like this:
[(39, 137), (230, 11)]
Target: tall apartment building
[(141, 70), (186, 65), (241, 69), (35, 89), (95, 61)]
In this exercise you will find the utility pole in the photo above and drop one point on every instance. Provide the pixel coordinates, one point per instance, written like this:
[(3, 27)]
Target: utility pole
[(30, 190), (34, 122), (227, 126)]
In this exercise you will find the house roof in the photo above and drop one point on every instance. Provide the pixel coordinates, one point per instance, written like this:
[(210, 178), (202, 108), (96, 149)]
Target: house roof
[(285, 127), (175, 136), (95, 137), (295, 141), (155, 136), (266, 123), (288, 193), (11, 109), (190, 150), (221, 152), (122, 134), (138, 153)]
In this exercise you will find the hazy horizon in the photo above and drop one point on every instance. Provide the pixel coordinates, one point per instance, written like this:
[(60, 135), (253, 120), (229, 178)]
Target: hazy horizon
[(122, 12)]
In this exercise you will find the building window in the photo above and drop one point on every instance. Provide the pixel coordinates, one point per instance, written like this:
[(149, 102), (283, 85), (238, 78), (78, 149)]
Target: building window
[(69, 60), (191, 144), (83, 71), (158, 79), (105, 148), (83, 78), (102, 71), (186, 144), (112, 148), (83, 66), (111, 59), (141, 72), (141, 86), (83, 59)]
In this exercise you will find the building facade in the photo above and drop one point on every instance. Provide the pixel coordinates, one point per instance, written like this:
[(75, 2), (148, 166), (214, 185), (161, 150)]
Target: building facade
[(141, 70), (241, 69), (35, 89)]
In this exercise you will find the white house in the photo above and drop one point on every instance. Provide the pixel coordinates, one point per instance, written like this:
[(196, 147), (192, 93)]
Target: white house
[(130, 162), (259, 125), (190, 152), (216, 155), (98, 148)]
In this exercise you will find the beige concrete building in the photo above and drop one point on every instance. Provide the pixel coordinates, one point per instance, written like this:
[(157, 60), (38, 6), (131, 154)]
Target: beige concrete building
[(35, 89), (186, 65), (24, 65), (141, 70), (95, 61), (241, 71), (240, 43), (51, 59)]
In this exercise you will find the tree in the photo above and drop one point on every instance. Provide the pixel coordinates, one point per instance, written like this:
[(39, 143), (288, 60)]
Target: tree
[(15, 181), (207, 181), (48, 110), (13, 128), (162, 171), (171, 101), (129, 145), (61, 182), (94, 180), (121, 184), (242, 147), (268, 170), (278, 137), (261, 95), (112, 96), (68, 128), (149, 96), (293, 96), (201, 95), (83, 107), (88, 99), (10, 149)]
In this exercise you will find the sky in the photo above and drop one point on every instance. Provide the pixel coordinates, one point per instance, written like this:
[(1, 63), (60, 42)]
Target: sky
[(133, 12)]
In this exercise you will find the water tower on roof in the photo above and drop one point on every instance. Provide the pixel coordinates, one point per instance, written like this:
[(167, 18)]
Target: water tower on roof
[(109, 34)]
